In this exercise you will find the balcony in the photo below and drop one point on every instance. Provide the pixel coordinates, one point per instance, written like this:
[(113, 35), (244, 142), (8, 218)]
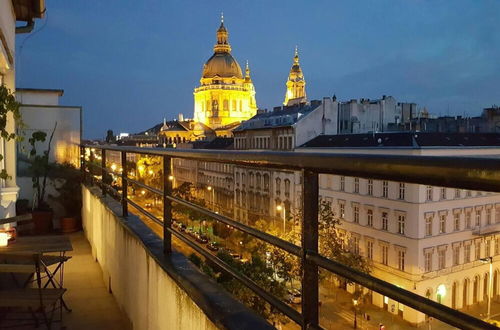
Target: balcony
[(165, 233)]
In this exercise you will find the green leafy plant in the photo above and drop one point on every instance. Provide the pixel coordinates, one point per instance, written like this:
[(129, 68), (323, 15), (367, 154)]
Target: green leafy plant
[(8, 106), (67, 184), (40, 168)]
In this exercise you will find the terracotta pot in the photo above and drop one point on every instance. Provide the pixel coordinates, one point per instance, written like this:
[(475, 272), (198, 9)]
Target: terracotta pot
[(43, 222), (69, 225)]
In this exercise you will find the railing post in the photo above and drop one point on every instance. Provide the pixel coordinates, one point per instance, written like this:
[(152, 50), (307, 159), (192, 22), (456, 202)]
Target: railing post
[(124, 184), (83, 165), (167, 205), (310, 299), (103, 172), (91, 167)]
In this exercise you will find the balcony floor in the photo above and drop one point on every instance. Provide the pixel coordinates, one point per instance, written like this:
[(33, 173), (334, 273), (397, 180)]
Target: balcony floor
[(93, 306)]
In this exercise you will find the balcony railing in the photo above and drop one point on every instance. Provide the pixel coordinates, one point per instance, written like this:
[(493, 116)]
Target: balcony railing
[(457, 172)]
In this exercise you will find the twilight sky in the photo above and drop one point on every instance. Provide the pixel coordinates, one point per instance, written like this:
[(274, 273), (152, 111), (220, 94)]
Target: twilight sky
[(130, 63)]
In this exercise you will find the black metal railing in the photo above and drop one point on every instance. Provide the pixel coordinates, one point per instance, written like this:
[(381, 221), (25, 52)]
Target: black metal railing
[(475, 173)]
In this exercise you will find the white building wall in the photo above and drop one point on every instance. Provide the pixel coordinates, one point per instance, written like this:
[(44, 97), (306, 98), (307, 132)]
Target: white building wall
[(415, 241), (322, 120)]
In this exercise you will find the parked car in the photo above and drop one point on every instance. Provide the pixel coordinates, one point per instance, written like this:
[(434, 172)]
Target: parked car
[(294, 297), (234, 254), (182, 227), (213, 246), (201, 238)]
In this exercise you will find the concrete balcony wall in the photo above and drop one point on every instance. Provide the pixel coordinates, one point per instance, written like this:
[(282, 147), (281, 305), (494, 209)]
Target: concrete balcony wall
[(151, 288)]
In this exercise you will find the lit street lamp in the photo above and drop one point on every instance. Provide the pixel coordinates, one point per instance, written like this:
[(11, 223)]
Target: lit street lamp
[(209, 188), (490, 288), (279, 208), (355, 303)]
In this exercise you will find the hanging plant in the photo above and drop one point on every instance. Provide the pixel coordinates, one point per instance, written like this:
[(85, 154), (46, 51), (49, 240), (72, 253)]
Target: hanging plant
[(8, 106)]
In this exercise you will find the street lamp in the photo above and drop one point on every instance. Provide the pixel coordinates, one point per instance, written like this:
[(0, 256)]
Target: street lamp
[(209, 188), (490, 289), (355, 303), (279, 208)]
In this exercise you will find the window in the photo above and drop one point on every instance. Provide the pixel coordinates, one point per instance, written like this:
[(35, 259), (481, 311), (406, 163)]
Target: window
[(468, 219), (356, 185), (442, 223), (287, 188), (401, 224), (356, 214), (385, 254), (369, 220), (458, 193), (385, 189), (401, 260), (477, 250), (478, 218), (278, 186), (443, 193), (384, 221), (456, 221), (428, 261), (497, 215), (370, 187), (342, 183), (355, 245), (442, 259), (488, 216), (428, 226), (467, 253), (428, 193), (342, 210), (468, 193), (401, 190), (456, 255), (266, 182), (487, 247), (369, 250)]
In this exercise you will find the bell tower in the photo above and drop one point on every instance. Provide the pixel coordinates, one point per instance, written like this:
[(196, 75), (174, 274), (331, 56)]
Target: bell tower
[(296, 84)]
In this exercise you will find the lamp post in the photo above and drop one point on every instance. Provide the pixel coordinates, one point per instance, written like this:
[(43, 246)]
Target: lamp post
[(209, 188), (490, 286), (355, 303), (279, 208)]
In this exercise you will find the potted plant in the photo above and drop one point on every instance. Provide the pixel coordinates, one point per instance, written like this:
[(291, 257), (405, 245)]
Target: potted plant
[(39, 169), (67, 183)]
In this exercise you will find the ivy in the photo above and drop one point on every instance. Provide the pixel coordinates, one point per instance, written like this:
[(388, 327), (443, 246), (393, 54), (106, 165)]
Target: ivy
[(8, 106)]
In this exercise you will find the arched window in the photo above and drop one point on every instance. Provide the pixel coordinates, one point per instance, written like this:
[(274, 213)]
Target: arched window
[(225, 106), (465, 292)]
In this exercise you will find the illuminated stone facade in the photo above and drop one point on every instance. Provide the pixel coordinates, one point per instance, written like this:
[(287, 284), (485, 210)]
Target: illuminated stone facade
[(296, 84), (225, 96)]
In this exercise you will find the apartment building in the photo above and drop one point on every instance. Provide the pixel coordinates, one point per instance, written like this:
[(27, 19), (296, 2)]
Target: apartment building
[(426, 239)]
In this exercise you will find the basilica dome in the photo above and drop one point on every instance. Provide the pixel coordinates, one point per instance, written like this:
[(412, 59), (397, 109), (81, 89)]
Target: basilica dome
[(222, 65)]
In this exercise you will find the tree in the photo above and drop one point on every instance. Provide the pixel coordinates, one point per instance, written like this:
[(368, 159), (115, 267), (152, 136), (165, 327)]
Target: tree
[(8, 107), (110, 136)]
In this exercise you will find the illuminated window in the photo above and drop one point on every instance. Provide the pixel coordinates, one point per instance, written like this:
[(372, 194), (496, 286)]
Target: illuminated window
[(342, 210)]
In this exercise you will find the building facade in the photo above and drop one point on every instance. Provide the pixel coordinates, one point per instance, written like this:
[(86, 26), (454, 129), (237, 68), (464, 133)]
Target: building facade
[(428, 240)]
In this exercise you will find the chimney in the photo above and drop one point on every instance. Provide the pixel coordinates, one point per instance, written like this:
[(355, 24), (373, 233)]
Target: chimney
[(181, 117)]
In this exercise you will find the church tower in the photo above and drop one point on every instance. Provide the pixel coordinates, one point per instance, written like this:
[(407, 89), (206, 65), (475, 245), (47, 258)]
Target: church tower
[(296, 84), (224, 96)]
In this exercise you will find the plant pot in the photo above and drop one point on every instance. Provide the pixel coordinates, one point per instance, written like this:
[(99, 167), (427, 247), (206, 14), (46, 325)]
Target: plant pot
[(69, 225), (43, 222)]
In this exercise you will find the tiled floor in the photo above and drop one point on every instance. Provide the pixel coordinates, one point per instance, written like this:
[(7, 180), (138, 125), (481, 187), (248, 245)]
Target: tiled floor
[(93, 306)]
